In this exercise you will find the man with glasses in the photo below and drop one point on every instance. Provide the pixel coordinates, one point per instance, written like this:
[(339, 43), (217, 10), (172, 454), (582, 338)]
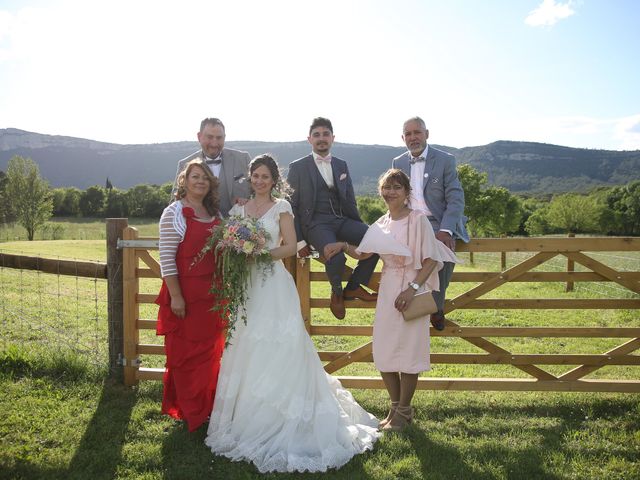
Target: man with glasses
[(436, 190)]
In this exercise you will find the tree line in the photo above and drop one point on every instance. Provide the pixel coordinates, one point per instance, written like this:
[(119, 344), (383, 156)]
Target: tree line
[(27, 199), (495, 212)]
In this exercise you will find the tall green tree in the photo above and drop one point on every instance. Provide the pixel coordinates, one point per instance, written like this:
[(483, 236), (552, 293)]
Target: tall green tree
[(116, 205), (146, 200), (574, 213), (29, 193), (91, 201), (473, 183), (7, 214), (370, 208), (71, 202), (622, 216), (492, 211), (57, 197), (501, 212), (537, 222), (66, 201)]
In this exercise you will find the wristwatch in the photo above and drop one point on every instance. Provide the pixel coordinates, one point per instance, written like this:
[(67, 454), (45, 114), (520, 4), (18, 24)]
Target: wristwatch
[(414, 285)]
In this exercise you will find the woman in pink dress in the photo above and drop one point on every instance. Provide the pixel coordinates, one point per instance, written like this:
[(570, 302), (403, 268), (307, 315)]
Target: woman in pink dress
[(412, 256)]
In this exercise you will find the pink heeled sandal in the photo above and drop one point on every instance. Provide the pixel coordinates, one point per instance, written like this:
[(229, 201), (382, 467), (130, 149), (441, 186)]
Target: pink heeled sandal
[(400, 420), (390, 415)]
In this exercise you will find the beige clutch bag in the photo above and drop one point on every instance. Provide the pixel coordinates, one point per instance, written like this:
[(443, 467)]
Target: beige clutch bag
[(422, 305)]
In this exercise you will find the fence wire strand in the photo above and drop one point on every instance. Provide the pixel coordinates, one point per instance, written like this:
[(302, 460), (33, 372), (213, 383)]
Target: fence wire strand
[(52, 310)]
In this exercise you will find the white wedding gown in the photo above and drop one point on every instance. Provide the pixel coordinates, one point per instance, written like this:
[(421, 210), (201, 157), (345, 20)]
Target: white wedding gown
[(275, 406)]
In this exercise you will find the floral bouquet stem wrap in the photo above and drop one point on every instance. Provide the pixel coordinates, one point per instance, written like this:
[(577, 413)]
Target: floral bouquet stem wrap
[(237, 243)]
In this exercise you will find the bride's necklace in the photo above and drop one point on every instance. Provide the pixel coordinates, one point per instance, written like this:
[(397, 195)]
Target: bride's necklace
[(258, 207)]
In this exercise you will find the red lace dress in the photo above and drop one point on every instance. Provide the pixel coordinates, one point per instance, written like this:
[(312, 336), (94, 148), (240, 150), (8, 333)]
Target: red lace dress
[(193, 344)]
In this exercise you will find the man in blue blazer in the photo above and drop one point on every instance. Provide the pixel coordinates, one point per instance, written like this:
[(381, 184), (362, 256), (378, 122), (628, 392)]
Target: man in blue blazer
[(325, 211), (435, 189)]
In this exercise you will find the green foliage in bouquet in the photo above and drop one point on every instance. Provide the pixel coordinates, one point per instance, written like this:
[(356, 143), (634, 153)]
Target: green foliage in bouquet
[(237, 243)]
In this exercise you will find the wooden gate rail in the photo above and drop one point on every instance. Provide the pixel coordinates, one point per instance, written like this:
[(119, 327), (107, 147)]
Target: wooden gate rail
[(136, 251), (55, 266)]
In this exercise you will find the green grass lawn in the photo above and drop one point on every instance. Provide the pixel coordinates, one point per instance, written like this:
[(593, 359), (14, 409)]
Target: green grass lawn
[(63, 421), (62, 418), (75, 229)]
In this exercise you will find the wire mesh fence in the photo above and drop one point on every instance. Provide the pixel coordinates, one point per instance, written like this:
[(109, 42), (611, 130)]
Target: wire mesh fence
[(54, 312)]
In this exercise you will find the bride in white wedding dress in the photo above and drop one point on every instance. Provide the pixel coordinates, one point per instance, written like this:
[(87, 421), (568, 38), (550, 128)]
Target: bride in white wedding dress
[(275, 406)]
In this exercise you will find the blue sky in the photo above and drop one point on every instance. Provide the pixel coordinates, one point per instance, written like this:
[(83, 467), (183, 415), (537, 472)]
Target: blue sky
[(562, 72)]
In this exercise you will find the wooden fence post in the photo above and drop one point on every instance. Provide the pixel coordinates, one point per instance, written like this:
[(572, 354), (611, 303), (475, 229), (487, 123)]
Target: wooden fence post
[(570, 268), (131, 310), (303, 284), (115, 227)]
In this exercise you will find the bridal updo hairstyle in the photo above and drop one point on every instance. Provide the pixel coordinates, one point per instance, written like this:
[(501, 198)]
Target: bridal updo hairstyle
[(212, 200), (280, 187)]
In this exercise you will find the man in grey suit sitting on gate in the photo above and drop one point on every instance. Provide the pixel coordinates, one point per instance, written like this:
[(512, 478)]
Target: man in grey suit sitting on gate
[(229, 166), (435, 189), (325, 211)]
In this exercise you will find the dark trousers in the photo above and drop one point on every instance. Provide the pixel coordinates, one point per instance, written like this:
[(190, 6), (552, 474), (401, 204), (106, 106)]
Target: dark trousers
[(328, 229), (444, 276)]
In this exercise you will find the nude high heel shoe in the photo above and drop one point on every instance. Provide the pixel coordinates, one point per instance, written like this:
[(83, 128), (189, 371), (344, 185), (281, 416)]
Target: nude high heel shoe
[(390, 415), (400, 420)]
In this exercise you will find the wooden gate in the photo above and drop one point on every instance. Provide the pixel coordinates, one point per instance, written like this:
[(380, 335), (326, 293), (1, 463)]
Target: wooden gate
[(139, 263)]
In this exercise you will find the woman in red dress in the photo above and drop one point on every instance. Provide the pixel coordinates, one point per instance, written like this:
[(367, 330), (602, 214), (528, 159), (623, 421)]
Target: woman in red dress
[(194, 334)]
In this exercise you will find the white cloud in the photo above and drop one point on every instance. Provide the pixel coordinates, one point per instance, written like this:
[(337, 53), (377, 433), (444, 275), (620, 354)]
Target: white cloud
[(615, 133), (627, 131), (548, 13), (582, 125)]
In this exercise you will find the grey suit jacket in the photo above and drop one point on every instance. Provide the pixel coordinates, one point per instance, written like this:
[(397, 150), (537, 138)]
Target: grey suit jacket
[(303, 179), (443, 192), (234, 177)]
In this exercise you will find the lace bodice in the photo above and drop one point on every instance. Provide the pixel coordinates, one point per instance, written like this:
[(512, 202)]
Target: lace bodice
[(270, 220)]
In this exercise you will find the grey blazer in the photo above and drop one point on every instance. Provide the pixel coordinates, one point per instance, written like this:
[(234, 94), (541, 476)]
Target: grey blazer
[(234, 177), (443, 192), (303, 179)]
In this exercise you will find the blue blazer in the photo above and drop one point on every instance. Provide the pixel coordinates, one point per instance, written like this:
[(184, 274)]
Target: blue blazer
[(303, 179), (443, 192)]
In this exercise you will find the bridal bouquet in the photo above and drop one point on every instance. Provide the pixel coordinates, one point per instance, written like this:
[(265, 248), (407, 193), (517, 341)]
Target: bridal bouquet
[(237, 243)]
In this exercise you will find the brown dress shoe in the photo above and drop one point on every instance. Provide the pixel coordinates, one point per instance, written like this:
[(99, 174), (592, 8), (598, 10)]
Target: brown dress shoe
[(337, 305), (437, 320), (360, 293)]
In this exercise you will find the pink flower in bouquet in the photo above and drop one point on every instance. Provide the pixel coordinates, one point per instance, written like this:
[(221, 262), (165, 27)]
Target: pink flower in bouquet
[(238, 244)]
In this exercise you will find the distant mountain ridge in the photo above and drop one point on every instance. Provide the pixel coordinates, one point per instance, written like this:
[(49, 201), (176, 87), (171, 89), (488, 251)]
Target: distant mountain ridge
[(536, 168)]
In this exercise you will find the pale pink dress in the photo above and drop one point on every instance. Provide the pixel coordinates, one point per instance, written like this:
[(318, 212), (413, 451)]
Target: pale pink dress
[(399, 345)]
